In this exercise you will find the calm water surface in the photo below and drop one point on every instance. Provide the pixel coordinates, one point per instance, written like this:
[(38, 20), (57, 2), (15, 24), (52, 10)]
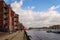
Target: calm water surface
[(42, 35)]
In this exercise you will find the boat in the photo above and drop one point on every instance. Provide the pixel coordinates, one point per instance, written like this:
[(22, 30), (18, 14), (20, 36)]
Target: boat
[(49, 31), (56, 31)]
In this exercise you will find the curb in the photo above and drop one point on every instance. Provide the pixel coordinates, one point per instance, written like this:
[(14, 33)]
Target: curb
[(27, 37)]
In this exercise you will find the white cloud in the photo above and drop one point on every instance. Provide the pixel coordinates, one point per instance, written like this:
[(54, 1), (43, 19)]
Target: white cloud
[(6, 0), (32, 7), (36, 19), (54, 7)]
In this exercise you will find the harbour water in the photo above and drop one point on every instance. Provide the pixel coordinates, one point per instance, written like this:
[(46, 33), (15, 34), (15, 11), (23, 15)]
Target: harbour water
[(42, 35)]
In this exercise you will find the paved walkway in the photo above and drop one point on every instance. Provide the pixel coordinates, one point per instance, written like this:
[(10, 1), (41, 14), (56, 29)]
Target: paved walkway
[(19, 35), (3, 34)]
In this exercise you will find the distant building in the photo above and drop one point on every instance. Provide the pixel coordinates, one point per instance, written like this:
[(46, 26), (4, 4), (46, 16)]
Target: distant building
[(55, 27), (21, 26)]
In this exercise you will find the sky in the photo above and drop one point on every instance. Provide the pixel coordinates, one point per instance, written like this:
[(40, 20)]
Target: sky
[(37, 13)]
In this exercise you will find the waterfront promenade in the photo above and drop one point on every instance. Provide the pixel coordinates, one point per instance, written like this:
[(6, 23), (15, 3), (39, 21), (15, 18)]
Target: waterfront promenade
[(19, 35)]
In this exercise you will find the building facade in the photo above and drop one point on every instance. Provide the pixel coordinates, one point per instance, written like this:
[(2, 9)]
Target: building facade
[(16, 22), (2, 12), (7, 18)]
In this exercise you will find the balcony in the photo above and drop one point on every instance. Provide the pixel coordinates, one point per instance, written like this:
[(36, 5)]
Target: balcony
[(5, 16), (5, 13), (15, 17), (5, 22), (5, 19), (5, 10), (16, 21), (16, 25)]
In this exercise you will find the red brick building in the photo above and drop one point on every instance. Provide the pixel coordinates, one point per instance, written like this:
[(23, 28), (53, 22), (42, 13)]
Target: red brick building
[(16, 22), (7, 18), (2, 6)]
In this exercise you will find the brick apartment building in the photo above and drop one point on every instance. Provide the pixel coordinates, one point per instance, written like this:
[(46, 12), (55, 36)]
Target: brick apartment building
[(16, 22), (8, 19)]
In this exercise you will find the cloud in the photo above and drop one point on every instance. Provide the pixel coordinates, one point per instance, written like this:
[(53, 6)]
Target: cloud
[(16, 4), (6, 0), (30, 18), (54, 7), (32, 7)]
